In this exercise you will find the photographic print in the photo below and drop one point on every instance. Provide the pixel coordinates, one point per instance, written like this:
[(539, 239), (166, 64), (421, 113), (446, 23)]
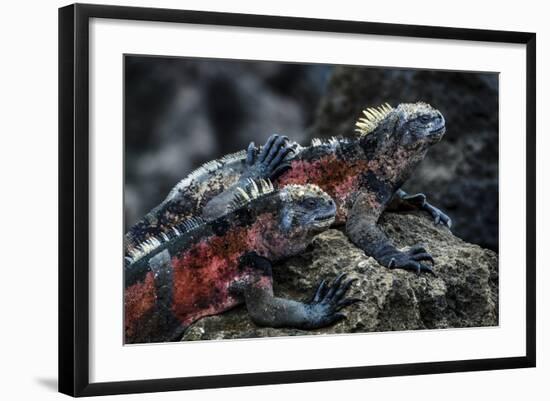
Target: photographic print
[(272, 216), (267, 199)]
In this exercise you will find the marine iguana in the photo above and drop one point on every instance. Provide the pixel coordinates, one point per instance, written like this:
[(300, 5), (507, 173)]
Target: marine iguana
[(363, 175), (204, 268)]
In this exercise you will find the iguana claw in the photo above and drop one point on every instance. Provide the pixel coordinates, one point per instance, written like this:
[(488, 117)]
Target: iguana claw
[(419, 200), (270, 161), (438, 215), (324, 308), (409, 260)]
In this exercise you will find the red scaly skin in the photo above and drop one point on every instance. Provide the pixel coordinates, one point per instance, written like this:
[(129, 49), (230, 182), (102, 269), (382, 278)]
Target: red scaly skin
[(338, 178), (204, 274), (139, 299)]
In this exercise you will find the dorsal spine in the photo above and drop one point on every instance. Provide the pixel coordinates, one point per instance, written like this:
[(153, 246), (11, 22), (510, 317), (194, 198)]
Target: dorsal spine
[(205, 169), (372, 118), (253, 189), (151, 244)]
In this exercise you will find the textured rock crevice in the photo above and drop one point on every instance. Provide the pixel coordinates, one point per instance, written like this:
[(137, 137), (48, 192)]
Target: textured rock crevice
[(464, 293)]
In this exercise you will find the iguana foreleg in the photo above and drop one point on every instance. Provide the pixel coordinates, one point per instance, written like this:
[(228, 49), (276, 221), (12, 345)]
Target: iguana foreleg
[(268, 163), (363, 230), (266, 309), (403, 201)]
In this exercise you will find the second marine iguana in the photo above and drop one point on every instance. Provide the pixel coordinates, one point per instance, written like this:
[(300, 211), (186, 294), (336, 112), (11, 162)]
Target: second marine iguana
[(204, 268), (363, 175)]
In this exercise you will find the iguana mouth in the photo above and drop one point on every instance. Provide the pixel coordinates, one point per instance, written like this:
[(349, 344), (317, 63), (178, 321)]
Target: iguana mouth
[(438, 130), (328, 215), (324, 218)]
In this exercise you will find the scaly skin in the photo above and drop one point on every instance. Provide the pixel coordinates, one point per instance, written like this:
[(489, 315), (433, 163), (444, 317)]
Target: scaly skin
[(363, 175), (213, 266)]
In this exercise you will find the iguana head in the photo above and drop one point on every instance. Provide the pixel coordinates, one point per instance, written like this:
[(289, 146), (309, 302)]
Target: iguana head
[(306, 208), (411, 125), (418, 125), (288, 218), (402, 133)]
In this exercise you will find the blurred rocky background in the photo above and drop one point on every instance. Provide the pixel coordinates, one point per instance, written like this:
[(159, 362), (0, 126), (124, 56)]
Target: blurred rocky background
[(180, 113)]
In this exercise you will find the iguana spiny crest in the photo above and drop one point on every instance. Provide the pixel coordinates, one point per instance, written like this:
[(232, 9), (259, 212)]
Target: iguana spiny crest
[(254, 189), (153, 243), (372, 118)]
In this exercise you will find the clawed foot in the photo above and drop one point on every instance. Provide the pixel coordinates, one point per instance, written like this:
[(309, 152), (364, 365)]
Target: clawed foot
[(328, 300), (419, 200), (271, 160), (438, 215), (411, 260)]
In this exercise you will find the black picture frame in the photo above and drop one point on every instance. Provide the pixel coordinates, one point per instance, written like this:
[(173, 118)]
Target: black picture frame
[(74, 198)]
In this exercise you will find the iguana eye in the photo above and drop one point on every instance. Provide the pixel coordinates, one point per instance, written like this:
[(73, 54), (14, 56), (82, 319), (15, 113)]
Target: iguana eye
[(424, 119), (310, 203)]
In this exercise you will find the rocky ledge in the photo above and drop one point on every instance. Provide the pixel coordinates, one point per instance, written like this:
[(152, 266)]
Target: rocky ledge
[(464, 293)]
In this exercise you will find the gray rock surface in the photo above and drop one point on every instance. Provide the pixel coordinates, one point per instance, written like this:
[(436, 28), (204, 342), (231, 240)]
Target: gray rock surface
[(464, 293)]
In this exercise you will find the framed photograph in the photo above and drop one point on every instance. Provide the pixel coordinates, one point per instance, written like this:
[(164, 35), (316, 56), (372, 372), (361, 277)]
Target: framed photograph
[(251, 199)]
